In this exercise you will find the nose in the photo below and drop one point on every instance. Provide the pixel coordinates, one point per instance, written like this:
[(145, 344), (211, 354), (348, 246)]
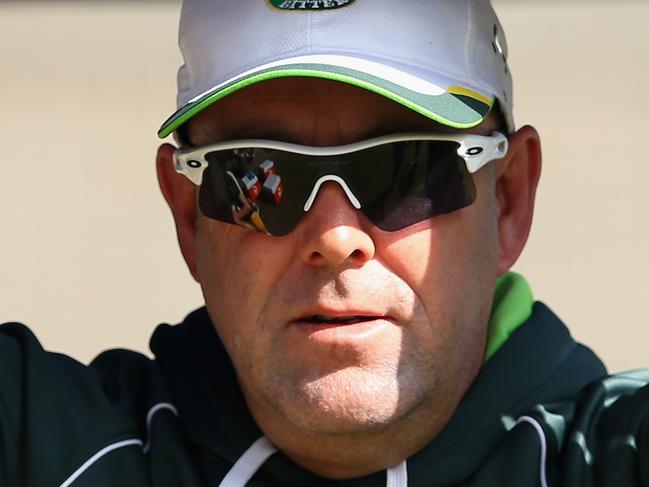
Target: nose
[(332, 232)]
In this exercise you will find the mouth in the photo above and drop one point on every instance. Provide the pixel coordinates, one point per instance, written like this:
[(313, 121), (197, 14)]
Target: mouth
[(338, 320), (341, 326)]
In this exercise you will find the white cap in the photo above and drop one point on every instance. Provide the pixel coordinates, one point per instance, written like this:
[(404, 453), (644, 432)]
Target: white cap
[(445, 59)]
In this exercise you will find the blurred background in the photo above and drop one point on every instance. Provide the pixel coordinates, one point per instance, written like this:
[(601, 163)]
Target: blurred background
[(88, 255)]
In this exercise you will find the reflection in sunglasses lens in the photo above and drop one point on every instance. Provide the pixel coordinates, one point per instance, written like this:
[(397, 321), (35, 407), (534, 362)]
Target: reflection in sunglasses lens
[(398, 184)]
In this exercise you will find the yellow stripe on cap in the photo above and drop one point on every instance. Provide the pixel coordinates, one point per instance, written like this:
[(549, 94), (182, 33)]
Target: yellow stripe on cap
[(459, 90)]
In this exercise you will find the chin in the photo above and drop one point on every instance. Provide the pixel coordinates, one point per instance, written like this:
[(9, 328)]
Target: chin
[(349, 401)]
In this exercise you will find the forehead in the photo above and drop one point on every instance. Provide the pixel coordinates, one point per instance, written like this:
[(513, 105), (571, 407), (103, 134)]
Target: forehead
[(309, 111)]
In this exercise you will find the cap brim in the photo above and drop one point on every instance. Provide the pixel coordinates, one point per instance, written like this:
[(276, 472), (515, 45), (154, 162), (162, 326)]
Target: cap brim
[(455, 106)]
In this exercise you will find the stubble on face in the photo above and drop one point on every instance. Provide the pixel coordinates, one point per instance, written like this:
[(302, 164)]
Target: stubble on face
[(428, 356), (434, 280), (333, 387), (345, 386)]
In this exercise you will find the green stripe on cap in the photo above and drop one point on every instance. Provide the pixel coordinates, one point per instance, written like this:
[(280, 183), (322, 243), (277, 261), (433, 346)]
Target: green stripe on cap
[(452, 109)]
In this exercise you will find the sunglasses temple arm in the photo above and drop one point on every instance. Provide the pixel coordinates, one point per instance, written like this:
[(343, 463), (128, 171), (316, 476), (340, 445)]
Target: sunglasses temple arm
[(192, 170), (493, 147)]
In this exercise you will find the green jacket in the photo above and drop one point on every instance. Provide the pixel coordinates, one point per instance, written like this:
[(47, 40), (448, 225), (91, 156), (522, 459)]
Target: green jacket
[(542, 412)]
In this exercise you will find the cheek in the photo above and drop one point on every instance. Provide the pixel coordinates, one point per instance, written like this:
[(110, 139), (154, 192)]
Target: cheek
[(451, 263), (427, 253), (237, 269), (446, 261), (449, 249)]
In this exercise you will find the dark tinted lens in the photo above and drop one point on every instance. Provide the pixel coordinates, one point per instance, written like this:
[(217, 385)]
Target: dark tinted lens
[(397, 184), (408, 182), (257, 188)]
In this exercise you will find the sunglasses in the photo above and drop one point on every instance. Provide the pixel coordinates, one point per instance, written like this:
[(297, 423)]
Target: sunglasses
[(395, 180)]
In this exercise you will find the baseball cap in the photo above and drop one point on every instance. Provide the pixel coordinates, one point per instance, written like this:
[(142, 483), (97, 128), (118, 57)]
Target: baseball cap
[(445, 59)]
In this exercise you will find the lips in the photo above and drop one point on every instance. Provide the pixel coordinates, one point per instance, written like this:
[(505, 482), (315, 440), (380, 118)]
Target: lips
[(325, 316), (330, 327), (338, 320)]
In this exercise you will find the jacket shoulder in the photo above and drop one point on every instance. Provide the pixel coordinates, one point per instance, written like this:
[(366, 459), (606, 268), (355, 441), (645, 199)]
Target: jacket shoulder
[(56, 412), (611, 435)]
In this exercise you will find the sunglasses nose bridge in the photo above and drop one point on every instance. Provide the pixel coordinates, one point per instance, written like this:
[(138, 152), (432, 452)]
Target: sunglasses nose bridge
[(337, 179)]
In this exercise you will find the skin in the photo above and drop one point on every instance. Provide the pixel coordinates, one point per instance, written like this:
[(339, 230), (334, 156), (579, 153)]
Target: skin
[(346, 401)]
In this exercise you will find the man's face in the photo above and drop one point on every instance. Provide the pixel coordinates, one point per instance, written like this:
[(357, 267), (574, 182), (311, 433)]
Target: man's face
[(405, 313)]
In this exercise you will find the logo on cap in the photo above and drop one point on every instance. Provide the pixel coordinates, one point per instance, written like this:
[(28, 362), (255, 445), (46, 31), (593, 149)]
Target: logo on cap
[(310, 4)]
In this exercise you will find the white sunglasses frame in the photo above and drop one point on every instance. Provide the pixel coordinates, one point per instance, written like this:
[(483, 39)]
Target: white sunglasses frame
[(476, 150)]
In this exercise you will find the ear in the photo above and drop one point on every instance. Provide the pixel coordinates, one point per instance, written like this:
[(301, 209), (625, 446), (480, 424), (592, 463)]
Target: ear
[(180, 194), (517, 179)]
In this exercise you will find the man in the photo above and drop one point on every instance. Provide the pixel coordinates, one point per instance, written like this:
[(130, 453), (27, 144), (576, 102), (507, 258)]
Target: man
[(349, 192)]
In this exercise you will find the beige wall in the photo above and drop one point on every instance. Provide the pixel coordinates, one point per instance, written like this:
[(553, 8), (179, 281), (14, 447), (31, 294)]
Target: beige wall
[(87, 253)]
